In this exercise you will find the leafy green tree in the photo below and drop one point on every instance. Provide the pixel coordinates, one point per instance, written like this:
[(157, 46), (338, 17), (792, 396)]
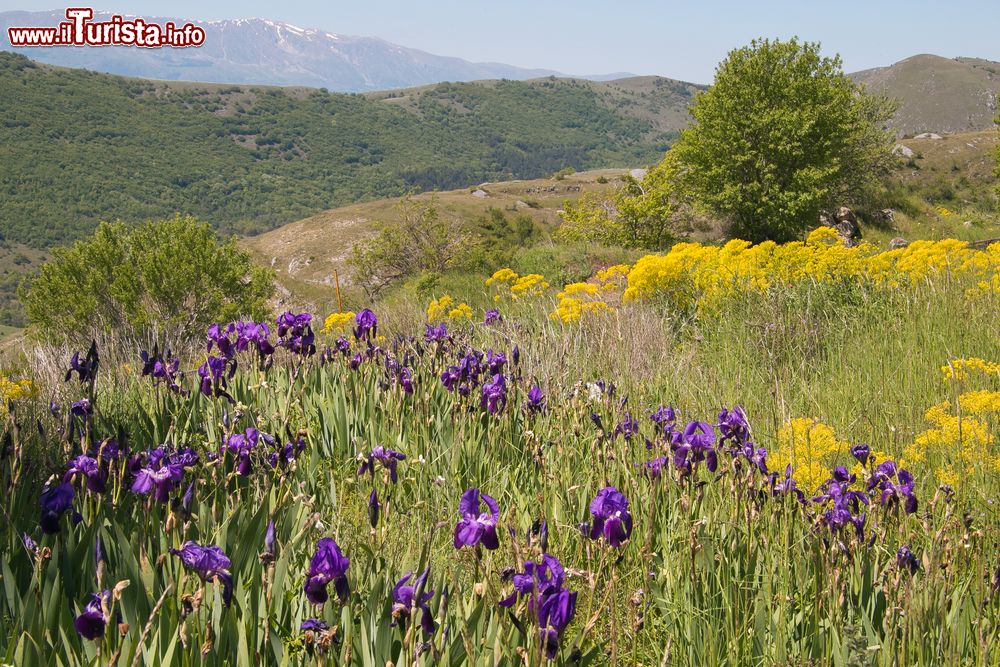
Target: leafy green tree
[(781, 134), (174, 277), (637, 214)]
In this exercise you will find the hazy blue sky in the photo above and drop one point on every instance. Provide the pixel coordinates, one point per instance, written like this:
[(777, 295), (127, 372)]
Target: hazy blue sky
[(683, 40)]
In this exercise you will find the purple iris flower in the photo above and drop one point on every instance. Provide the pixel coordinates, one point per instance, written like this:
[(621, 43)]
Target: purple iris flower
[(492, 317), (386, 457), (162, 368), (366, 324), (187, 500), (91, 623), (328, 564), (219, 337), (695, 444), (843, 504), (270, 544), (89, 468), (536, 400), (313, 625), (295, 333), (343, 345), (406, 598), (162, 472), (208, 562), (55, 501), (436, 334), (893, 484), (494, 394), (477, 527), (253, 334), (555, 613), (627, 427), (86, 368), (241, 445), (406, 380), (733, 425), (654, 469), (907, 560), (612, 520), (287, 453), (82, 408), (214, 376), (451, 377), (495, 361), (786, 485), (374, 509), (664, 417), (538, 580), (861, 452)]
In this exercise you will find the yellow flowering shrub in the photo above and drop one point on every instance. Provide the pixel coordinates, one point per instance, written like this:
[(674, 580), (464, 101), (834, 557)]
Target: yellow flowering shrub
[(462, 311), (576, 300), (509, 284), (823, 235), (14, 390), (961, 369), (501, 277), (532, 284), (959, 439), (696, 275), (444, 307), (810, 447), (575, 289), (612, 276), (338, 322), (570, 309)]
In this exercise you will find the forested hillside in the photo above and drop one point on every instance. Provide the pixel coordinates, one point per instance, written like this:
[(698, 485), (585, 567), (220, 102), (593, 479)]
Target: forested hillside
[(79, 147)]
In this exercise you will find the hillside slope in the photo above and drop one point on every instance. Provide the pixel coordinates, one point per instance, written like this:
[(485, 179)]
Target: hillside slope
[(307, 254), (955, 172), (79, 147), (938, 94)]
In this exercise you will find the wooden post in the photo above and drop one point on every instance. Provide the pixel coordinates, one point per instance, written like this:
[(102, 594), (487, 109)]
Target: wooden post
[(340, 301)]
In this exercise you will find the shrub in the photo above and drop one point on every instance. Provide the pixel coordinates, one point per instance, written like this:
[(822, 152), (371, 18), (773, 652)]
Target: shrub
[(175, 276)]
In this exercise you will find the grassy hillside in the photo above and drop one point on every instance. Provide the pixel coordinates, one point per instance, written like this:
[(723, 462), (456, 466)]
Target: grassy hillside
[(946, 189), (307, 255), (938, 94), (79, 147)]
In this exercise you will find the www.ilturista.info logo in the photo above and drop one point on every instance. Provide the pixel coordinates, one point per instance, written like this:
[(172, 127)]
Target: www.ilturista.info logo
[(79, 30)]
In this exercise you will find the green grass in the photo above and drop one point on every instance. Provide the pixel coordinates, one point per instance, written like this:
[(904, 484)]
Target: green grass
[(717, 571)]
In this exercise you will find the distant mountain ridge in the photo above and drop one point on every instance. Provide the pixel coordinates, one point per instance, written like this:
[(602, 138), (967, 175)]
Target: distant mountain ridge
[(938, 94), (264, 52)]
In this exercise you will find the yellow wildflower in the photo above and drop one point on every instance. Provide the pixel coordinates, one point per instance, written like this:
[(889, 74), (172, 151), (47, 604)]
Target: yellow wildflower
[(14, 390), (338, 322), (810, 447)]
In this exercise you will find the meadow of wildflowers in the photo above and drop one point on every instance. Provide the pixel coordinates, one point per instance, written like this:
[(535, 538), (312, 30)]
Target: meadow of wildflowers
[(746, 455)]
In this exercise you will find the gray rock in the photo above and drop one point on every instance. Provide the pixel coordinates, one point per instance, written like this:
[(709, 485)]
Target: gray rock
[(846, 225), (898, 242), (905, 151), (886, 215), (482, 194)]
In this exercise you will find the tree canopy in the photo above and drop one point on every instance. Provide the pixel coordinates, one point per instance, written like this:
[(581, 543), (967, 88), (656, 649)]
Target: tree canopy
[(173, 275), (780, 135)]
